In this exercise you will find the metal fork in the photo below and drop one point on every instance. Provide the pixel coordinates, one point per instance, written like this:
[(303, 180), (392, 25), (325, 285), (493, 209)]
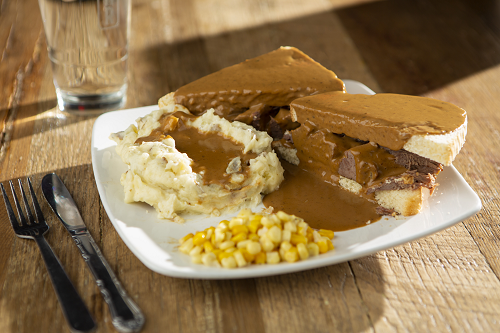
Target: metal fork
[(75, 311)]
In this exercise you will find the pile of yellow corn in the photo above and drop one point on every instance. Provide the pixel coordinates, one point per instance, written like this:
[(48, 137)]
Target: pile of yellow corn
[(251, 238)]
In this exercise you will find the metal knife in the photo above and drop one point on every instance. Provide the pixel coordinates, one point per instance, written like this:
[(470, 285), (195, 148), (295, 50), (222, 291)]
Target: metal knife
[(126, 316)]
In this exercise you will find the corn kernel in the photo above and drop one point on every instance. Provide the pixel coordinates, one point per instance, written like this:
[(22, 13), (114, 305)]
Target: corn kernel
[(223, 226), (254, 225), (239, 228), (217, 252), (226, 245), (260, 258), (301, 231), (187, 246), (283, 216), (228, 236), (266, 222), (228, 262), (208, 246), (208, 258), (209, 232), (234, 222), (302, 250), (239, 237), (313, 249), (274, 219), (326, 233), (245, 212), (296, 239), (254, 237), (243, 244), (285, 235), (330, 245), (262, 231), (309, 235), (199, 238), (248, 256), (323, 246), (292, 255), (253, 247), (302, 224), (272, 257), (316, 236), (220, 235), (285, 246), (226, 222), (196, 259), (230, 250), (274, 234), (224, 255), (291, 226), (240, 260), (185, 238), (267, 244), (256, 217), (195, 250)]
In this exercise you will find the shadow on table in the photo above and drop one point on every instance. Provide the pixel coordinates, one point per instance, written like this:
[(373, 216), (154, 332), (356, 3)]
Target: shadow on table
[(408, 47), (26, 115)]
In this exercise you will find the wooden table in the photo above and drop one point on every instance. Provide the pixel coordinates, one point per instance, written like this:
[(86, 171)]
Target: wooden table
[(449, 50)]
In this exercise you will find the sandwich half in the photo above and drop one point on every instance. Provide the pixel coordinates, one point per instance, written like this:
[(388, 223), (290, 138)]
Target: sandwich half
[(387, 148)]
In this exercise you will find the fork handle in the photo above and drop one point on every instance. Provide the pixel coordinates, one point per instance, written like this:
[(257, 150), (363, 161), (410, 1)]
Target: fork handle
[(76, 313), (125, 314)]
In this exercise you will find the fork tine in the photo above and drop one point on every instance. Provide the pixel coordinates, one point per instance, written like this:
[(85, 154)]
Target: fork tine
[(18, 206), (10, 211), (26, 204), (38, 211)]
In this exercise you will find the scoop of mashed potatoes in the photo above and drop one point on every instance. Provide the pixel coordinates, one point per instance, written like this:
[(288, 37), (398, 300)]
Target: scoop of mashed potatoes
[(161, 176)]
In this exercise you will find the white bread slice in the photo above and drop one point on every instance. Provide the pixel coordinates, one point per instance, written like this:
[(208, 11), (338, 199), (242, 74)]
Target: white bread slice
[(440, 148), (406, 202)]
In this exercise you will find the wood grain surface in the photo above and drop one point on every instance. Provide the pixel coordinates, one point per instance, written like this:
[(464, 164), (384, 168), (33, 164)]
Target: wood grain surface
[(449, 50)]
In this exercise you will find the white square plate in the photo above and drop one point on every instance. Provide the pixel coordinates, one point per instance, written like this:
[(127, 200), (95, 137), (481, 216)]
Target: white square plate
[(154, 241)]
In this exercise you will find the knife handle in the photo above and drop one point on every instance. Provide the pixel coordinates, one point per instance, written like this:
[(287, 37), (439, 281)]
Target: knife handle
[(125, 314)]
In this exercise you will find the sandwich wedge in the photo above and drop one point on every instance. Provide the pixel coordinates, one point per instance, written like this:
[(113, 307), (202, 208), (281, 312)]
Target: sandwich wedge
[(388, 148)]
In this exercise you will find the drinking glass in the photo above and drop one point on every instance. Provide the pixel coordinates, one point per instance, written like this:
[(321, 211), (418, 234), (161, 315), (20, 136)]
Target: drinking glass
[(87, 43)]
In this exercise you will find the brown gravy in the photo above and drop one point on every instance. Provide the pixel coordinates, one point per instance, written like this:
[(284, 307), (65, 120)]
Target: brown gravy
[(322, 205), (211, 152), (273, 79), (392, 120)]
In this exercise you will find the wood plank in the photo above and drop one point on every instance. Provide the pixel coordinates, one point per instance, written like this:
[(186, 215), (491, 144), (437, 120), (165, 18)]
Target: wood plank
[(479, 161), (402, 43), (442, 282), (320, 300)]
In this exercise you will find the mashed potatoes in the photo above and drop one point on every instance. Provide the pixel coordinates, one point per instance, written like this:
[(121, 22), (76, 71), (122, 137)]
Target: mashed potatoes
[(163, 177)]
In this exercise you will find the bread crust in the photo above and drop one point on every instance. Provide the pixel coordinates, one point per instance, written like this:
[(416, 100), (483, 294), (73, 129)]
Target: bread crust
[(406, 202)]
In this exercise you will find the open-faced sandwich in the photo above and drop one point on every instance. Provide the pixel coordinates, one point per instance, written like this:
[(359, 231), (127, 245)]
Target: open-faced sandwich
[(385, 149)]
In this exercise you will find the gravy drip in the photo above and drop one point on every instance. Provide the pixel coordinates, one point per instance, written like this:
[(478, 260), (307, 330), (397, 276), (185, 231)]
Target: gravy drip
[(320, 204), (273, 79), (211, 152), (387, 119)]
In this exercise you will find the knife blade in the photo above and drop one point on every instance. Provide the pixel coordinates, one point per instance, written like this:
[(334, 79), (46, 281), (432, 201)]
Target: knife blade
[(126, 315)]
